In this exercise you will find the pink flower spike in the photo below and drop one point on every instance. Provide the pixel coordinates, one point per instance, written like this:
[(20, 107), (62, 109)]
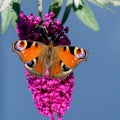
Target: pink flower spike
[(52, 96)]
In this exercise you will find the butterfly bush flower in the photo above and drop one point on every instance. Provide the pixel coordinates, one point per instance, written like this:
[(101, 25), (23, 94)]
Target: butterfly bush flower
[(38, 29), (52, 96)]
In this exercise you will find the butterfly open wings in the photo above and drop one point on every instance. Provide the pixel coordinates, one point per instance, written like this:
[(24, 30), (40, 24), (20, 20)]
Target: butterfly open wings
[(58, 60)]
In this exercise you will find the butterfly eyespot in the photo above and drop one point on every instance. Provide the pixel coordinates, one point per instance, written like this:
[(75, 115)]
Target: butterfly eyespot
[(30, 64), (79, 53), (20, 45), (65, 68)]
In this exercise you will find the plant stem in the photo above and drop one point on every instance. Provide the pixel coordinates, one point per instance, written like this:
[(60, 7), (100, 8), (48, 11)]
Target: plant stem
[(40, 7)]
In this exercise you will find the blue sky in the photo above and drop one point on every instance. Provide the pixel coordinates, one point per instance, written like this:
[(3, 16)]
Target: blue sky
[(96, 94)]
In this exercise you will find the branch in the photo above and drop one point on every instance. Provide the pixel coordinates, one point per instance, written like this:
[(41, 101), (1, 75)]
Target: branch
[(40, 7)]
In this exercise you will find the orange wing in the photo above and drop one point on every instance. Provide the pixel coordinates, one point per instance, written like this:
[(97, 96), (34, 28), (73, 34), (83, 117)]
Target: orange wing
[(71, 56), (31, 53), (60, 61), (65, 59), (27, 50)]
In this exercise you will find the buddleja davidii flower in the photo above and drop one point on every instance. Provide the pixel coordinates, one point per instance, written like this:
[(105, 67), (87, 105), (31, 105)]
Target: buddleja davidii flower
[(51, 96), (55, 29), (42, 30), (26, 27)]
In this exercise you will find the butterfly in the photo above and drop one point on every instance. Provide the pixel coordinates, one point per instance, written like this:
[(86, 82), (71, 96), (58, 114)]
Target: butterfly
[(58, 60)]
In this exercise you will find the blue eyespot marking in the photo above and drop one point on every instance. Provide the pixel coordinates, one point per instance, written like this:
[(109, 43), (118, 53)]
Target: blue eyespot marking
[(30, 64)]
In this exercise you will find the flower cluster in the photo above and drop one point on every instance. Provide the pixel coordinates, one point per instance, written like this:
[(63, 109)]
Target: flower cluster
[(51, 96), (42, 30)]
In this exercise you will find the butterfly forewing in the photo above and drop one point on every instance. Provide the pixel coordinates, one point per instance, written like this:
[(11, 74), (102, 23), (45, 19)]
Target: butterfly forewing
[(27, 50), (71, 56)]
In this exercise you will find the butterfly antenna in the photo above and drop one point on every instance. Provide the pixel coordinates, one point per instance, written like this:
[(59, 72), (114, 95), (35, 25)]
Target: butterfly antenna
[(45, 31), (57, 37)]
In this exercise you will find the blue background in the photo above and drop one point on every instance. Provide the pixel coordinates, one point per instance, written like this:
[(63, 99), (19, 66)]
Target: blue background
[(96, 94)]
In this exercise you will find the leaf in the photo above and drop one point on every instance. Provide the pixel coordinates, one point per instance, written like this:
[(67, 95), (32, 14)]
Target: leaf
[(10, 13), (67, 10), (4, 4), (110, 2), (15, 12), (85, 14), (114, 3), (77, 3), (6, 17), (99, 4), (56, 6)]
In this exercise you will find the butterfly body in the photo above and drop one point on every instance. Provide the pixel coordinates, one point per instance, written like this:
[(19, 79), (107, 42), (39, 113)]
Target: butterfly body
[(58, 60)]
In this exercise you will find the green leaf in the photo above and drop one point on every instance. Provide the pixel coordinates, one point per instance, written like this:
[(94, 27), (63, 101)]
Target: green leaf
[(4, 4), (77, 3), (85, 14), (67, 10), (6, 17), (15, 11), (108, 2), (101, 5), (56, 6)]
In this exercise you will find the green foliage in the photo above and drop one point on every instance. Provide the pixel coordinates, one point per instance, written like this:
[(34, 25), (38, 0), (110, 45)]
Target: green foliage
[(6, 16), (9, 10), (85, 14), (101, 5), (15, 12), (67, 10), (56, 6)]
